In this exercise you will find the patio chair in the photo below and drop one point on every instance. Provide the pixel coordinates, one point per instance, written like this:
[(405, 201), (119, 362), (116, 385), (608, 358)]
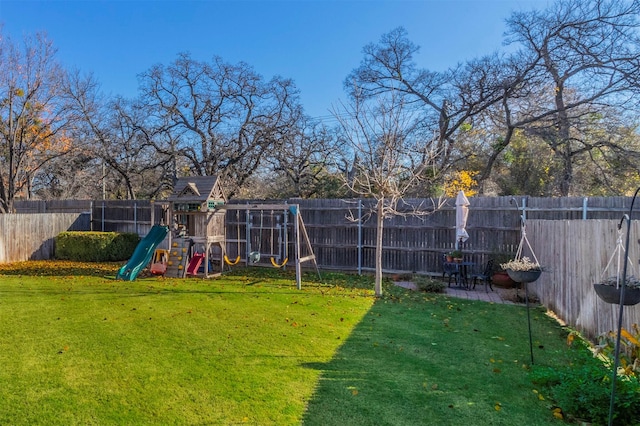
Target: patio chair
[(450, 270), (485, 276)]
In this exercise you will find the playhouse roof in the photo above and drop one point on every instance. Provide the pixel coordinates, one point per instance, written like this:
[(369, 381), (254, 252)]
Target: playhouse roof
[(197, 189)]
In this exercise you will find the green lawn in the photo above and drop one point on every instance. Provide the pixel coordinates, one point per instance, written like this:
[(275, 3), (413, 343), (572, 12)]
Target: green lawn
[(77, 347)]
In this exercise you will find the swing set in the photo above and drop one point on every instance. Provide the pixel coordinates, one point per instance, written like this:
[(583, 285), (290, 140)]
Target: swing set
[(269, 231), (237, 259), (254, 256)]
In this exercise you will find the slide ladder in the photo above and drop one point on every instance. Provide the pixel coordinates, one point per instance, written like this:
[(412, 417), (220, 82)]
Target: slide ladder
[(178, 256)]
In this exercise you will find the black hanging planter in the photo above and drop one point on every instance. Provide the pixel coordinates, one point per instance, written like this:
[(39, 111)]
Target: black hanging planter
[(524, 276), (611, 294)]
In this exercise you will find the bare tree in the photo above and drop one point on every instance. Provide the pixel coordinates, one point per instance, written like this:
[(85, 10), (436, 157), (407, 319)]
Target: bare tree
[(34, 114), (223, 118), (447, 101), (577, 58), (302, 161), (115, 136), (393, 156)]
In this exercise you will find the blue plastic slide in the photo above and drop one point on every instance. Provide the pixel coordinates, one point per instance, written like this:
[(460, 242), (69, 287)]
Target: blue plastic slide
[(143, 253)]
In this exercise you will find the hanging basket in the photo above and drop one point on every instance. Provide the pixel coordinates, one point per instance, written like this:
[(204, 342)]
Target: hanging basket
[(527, 270), (608, 288), (611, 294), (524, 276)]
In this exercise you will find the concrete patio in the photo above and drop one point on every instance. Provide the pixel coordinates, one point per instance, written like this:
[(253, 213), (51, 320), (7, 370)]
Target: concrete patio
[(498, 295)]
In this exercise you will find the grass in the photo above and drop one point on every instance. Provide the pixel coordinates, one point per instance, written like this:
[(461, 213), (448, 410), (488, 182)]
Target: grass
[(77, 347)]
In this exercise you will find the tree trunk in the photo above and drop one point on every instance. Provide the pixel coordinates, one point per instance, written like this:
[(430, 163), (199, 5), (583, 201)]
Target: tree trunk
[(379, 231), (564, 143)]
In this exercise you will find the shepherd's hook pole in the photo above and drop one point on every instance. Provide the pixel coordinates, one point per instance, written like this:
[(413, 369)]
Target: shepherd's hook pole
[(614, 375), (526, 285), (526, 296)]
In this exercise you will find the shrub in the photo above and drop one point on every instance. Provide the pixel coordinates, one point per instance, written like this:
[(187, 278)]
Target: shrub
[(429, 285), (95, 246), (629, 348), (583, 389)]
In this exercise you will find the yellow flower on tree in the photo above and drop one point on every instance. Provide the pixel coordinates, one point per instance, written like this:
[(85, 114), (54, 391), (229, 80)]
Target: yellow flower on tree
[(462, 180)]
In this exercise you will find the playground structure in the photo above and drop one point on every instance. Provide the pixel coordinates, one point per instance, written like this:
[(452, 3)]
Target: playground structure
[(201, 243), (199, 227), (262, 232)]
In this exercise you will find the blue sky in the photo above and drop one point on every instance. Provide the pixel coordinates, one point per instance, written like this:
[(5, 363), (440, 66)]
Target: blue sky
[(314, 42)]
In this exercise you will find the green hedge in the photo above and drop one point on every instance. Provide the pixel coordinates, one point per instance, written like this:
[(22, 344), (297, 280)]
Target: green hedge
[(95, 246)]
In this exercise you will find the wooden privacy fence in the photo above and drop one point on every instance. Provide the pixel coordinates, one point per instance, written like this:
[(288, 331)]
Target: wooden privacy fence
[(575, 254), (137, 216), (31, 236), (415, 244), (411, 244), (52, 206)]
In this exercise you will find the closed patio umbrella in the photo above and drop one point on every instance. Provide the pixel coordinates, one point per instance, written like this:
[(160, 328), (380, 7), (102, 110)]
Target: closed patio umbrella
[(462, 213)]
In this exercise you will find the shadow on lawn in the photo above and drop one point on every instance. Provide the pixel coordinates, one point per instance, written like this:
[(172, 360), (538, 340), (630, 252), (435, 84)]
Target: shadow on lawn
[(417, 358), (370, 381)]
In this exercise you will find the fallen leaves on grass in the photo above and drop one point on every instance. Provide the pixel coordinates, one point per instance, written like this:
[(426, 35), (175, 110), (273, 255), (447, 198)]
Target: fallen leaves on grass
[(53, 268), (557, 413)]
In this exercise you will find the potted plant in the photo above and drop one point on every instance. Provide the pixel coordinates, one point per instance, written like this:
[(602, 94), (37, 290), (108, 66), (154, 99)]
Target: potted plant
[(609, 290), (456, 255), (523, 270), (499, 276)]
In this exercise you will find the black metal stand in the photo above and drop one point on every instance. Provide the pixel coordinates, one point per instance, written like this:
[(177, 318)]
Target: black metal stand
[(616, 361), (526, 297), (526, 286)]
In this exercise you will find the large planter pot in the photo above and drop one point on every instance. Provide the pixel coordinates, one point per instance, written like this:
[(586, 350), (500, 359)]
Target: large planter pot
[(611, 294), (524, 276), (502, 280)]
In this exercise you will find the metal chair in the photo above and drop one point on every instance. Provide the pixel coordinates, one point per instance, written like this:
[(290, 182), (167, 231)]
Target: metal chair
[(485, 276), (450, 270)]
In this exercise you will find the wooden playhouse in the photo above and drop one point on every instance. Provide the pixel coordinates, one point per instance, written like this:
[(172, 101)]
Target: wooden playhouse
[(198, 230)]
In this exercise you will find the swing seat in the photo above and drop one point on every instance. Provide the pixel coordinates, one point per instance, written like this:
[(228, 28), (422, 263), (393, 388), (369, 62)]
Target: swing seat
[(275, 264), (254, 256), (231, 262)]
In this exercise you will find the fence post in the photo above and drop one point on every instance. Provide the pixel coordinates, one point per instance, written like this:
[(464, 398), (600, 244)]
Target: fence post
[(135, 218), (103, 216), (359, 237), (91, 216), (247, 247), (524, 209), (584, 208)]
